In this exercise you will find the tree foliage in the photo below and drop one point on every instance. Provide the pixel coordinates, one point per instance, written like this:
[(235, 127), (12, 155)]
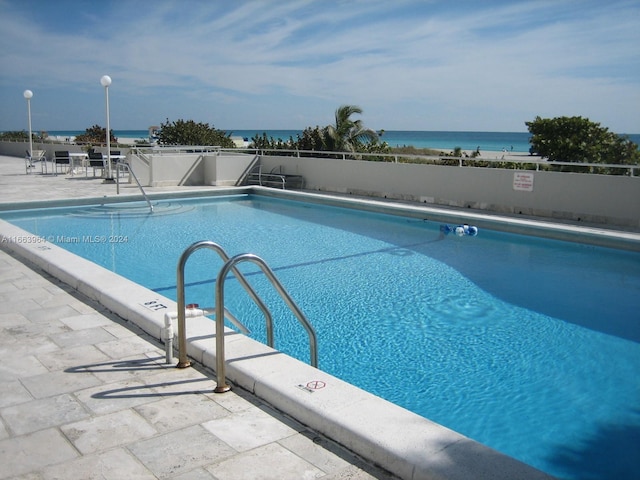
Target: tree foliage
[(310, 139), (347, 135), (22, 136), (14, 136), (188, 132), (577, 139), (96, 135)]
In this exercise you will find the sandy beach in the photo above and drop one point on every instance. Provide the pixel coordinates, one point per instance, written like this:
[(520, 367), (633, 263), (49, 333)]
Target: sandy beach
[(507, 156), (121, 140)]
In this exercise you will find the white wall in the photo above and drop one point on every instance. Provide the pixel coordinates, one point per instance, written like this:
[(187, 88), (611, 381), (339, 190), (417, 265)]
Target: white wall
[(225, 170), (607, 199), (190, 169), (178, 169)]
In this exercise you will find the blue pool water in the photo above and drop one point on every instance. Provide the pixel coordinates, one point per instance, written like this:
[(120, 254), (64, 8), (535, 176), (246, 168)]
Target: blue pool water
[(528, 345)]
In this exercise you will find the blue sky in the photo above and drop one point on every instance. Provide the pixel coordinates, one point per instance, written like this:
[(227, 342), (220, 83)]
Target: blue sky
[(410, 65)]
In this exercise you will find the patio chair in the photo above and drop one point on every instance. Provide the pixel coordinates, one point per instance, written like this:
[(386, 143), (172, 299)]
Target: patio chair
[(61, 158), (96, 161), (36, 156)]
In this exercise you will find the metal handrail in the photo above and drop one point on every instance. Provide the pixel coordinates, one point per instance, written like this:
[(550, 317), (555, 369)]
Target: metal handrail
[(269, 177), (126, 166), (144, 151), (393, 157), (183, 361), (179, 149), (229, 266), (141, 154)]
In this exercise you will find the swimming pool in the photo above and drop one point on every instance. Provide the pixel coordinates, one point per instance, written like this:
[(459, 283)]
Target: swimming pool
[(528, 345)]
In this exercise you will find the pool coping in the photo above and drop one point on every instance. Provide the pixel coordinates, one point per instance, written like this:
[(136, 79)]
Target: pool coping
[(410, 446)]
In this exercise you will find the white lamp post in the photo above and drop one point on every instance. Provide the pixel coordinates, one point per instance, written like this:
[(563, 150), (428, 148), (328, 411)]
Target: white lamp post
[(105, 81), (28, 94)]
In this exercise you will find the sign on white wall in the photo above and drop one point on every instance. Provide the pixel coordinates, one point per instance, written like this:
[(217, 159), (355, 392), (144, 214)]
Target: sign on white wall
[(523, 181)]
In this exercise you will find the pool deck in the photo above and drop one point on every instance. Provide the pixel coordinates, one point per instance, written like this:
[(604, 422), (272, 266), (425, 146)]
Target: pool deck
[(86, 393)]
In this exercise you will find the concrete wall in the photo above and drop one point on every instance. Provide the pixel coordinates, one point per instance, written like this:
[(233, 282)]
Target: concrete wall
[(192, 169), (225, 170), (605, 199), (179, 169)]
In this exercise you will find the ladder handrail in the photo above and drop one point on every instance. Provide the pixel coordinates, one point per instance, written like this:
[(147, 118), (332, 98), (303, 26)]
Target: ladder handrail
[(183, 361), (126, 166), (230, 266)]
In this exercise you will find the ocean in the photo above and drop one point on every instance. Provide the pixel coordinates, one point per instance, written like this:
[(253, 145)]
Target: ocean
[(488, 141), (438, 140)]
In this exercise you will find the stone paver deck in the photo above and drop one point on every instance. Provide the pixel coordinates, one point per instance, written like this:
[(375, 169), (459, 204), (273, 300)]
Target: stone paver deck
[(84, 394)]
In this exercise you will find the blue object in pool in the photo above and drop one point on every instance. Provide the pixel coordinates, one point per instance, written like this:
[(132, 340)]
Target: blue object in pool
[(460, 230)]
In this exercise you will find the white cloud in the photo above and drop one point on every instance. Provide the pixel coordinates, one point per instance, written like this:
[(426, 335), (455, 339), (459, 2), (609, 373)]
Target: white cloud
[(421, 65)]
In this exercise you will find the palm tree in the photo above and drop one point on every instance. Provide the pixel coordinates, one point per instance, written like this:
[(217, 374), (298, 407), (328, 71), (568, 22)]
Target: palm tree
[(347, 134)]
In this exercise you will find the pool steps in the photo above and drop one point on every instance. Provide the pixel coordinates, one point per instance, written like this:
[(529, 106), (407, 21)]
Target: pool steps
[(410, 446)]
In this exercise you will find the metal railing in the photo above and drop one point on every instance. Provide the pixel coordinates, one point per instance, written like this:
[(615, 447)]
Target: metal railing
[(144, 152), (127, 167), (176, 149), (221, 312), (229, 266), (266, 179), (183, 361), (632, 169)]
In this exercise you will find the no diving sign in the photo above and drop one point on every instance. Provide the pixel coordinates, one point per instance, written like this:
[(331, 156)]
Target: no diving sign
[(523, 181), (313, 386)]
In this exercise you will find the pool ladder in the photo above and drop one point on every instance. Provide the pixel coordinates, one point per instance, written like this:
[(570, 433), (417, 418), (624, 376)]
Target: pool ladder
[(221, 312)]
